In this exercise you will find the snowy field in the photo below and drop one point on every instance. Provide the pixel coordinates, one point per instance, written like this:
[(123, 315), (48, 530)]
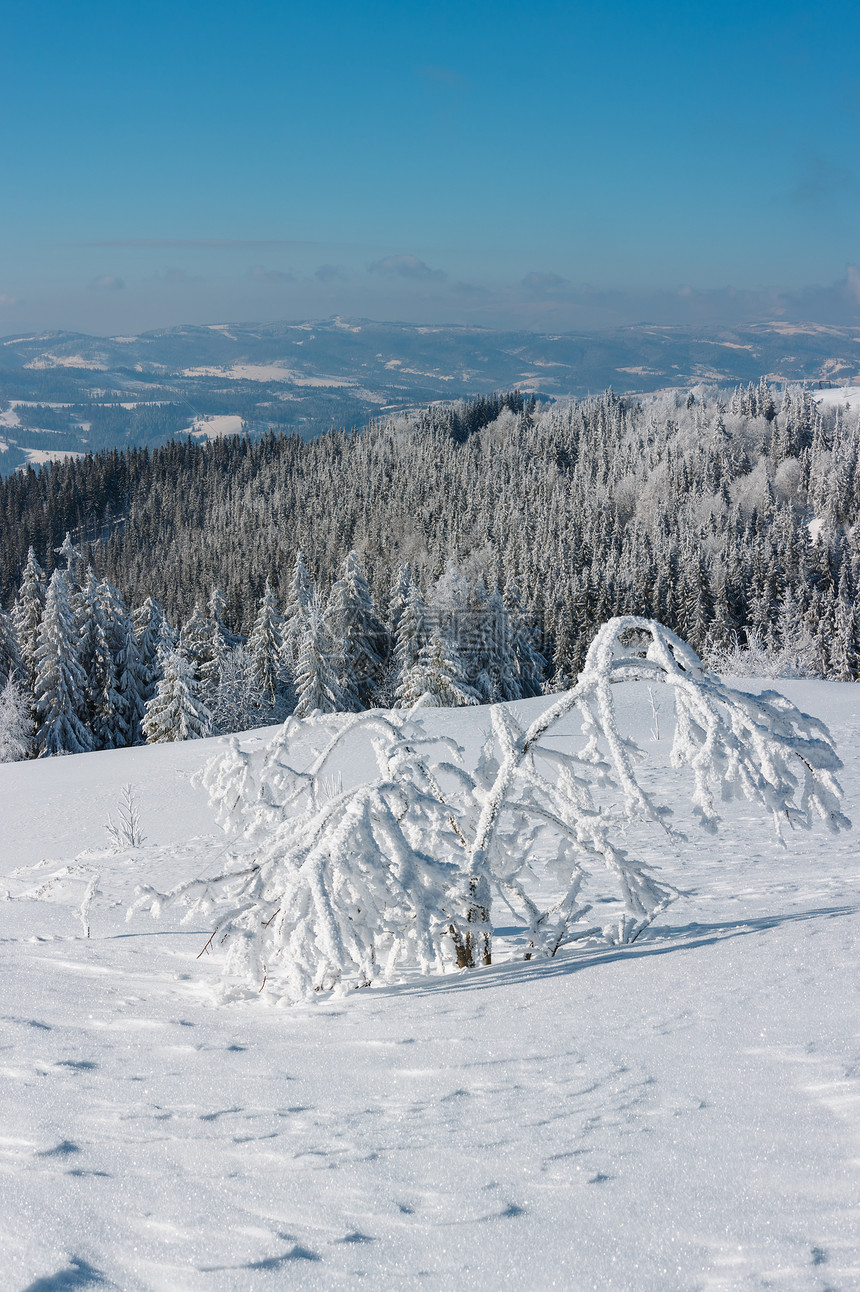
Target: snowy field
[(682, 1113), (839, 396)]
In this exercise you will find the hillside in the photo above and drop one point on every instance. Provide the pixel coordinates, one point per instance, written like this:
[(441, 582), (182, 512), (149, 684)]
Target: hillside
[(66, 392), (673, 1114)]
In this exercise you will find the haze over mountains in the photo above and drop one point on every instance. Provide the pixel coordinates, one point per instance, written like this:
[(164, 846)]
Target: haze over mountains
[(68, 392)]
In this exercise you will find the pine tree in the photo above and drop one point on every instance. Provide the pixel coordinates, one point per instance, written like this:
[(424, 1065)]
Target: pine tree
[(27, 615), (131, 685), (412, 630), (16, 725), (176, 711), (238, 702), (60, 682), (398, 599), (265, 646), (298, 600), (94, 657), (105, 704), (845, 643), (358, 635), (438, 677), (195, 642), (72, 557), (497, 676), (319, 669), (150, 627), (529, 663), (218, 616), (126, 705), (10, 652)]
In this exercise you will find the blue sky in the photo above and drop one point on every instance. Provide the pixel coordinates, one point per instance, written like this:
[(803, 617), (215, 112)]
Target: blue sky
[(546, 165)]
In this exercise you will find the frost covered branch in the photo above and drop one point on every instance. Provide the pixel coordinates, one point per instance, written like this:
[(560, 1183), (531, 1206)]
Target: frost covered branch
[(125, 832), (399, 871)]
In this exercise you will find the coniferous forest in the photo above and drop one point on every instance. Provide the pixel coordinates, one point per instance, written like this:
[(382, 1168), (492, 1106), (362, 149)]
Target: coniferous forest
[(466, 553)]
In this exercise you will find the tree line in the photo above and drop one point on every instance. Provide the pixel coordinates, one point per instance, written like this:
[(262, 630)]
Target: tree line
[(83, 672)]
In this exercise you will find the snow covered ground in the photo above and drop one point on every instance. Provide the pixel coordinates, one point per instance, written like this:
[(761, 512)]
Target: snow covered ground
[(683, 1113), (839, 396), (212, 428)]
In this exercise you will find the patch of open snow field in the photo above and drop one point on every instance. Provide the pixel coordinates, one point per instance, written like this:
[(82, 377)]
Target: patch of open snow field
[(682, 1113), (839, 396)]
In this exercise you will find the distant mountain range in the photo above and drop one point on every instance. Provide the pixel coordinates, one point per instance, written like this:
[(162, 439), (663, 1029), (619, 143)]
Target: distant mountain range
[(65, 392)]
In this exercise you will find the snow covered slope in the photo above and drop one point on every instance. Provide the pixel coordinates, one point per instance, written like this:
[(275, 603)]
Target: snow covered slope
[(681, 1113)]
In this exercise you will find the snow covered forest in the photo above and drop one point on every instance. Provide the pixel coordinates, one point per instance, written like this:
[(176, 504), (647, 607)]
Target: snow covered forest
[(467, 553)]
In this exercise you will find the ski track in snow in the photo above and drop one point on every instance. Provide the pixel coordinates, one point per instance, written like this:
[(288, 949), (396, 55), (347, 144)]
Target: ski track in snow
[(683, 1113)]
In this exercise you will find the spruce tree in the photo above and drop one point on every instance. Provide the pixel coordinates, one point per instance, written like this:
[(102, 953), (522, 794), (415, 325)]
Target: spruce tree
[(149, 624), (27, 615), (195, 642), (319, 669), (265, 646), (438, 677), (176, 711), (16, 724), (10, 652), (528, 661), (298, 600), (412, 630), (359, 636), (60, 689)]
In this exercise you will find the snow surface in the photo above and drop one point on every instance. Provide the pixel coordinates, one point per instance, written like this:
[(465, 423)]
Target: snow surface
[(67, 361), (37, 457), (267, 372), (677, 1114), (213, 428), (839, 396)]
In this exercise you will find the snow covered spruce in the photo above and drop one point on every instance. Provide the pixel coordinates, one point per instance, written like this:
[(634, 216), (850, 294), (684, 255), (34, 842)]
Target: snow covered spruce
[(339, 886)]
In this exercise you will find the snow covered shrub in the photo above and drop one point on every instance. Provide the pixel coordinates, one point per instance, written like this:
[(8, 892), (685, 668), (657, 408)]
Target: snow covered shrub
[(345, 885), (125, 832)]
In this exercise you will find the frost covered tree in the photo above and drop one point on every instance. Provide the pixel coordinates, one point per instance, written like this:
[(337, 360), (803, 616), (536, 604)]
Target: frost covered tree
[(221, 644), (412, 631), (60, 690), (104, 703), (16, 724), (10, 652), (400, 590), (265, 646), (153, 633), (176, 711), (131, 685), (319, 668), (340, 887), (27, 614), (72, 556), (437, 678), (497, 676), (238, 702), (529, 663), (358, 635), (124, 707), (218, 616), (295, 611), (195, 642)]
